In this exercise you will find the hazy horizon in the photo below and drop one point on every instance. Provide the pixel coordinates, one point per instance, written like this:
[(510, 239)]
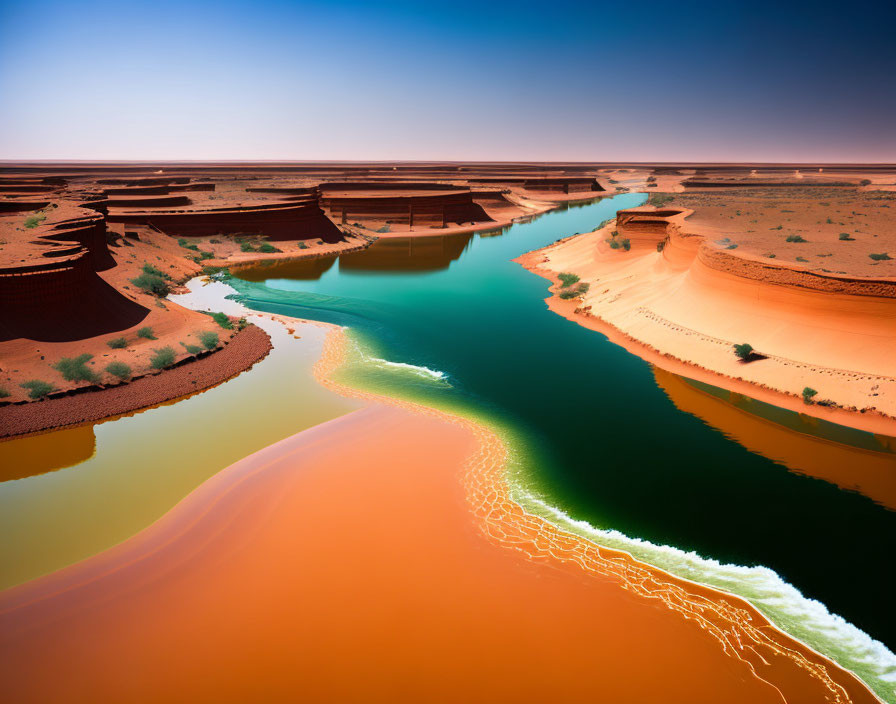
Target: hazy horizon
[(398, 81)]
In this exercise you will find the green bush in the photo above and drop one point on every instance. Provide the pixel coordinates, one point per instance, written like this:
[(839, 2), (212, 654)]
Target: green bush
[(209, 339), (880, 257), (802, 259), (222, 320), (614, 244), (246, 247), (865, 182), (187, 245), (37, 388), (192, 349), (34, 220), (3, 392), (744, 351), (808, 394), (844, 237), (384, 229), (626, 245), (150, 283), (568, 279), (203, 255), (795, 238), (117, 343), (162, 358), (267, 248), (659, 199), (146, 333), (119, 369), (76, 369), (575, 291), (153, 271), (302, 245)]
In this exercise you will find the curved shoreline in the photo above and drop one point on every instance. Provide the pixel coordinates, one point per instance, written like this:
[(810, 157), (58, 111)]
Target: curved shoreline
[(247, 347), (736, 624), (870, 420)]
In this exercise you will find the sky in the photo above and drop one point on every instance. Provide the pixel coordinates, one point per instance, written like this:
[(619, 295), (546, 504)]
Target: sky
[(487, 80)]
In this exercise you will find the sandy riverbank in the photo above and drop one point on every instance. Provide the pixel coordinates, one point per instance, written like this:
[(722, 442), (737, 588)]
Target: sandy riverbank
[(261, 584), (684, 307)]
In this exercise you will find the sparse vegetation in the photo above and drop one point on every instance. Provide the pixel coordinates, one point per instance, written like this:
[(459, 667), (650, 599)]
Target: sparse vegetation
[(802, 259), (384, 229), (152, 284), (574, 291), (744, 351), (658, 199), (37, 388), (567, 279), (187, 245), (883, 256), (808, 394), (246, 247), (795, 238), (117, 343), (865, 182), (844, 237), (146, 333), (35, 219), (119, 370), (302, 245), (192, 349), (153, 271), (3, 392), (222, 320), (267, 248), (208, 339), (76, 369), (162, 358)]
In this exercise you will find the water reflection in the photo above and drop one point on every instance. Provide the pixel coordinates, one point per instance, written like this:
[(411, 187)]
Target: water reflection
[(852, 459), (299, 269), (46, 452)]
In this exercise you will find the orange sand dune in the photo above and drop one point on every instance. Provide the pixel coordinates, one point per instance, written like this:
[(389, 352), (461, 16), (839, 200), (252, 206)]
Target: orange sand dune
[(323, 570), (691, 302)]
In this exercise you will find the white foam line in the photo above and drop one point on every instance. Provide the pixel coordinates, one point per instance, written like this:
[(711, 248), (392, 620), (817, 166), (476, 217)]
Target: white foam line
[(761, 586)]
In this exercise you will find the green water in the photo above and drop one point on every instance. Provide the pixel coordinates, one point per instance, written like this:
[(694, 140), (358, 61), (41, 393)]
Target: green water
[(598, 446)]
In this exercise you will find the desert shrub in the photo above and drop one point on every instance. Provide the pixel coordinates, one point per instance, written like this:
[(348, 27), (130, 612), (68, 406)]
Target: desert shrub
[(150, 283), (802, 259), (844, 237), (779, 227), (384, 229), (731, 246), (808, 393), (626, 245), (743, 351), (568, 279), (794, 238), (35, 219), (212, 270), (117, 343), (575, 291), (880, 257), (192, 349), (76, 369), (246, 247), (153, 271), (208, 339), (614, 244), (659, 199), (222, 320), (267, 248), (865, 182), (302, 245), (146, 333), (119, 369), (214, 241), (651, 179), (187, 245), (205, 255), (829, 221), (661, 245), (162, 358), (3, 392), (37, 388)]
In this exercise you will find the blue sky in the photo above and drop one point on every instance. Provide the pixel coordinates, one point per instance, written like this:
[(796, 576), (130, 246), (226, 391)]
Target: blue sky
[(696, 81)]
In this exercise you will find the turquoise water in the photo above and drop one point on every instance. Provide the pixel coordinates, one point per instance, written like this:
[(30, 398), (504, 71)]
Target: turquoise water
[(598, 447)]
